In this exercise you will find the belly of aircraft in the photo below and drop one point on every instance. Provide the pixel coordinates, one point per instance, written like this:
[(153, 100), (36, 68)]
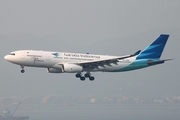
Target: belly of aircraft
[(113, 67)]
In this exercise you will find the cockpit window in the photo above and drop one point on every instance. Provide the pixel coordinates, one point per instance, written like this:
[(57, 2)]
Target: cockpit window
[(11, 53)]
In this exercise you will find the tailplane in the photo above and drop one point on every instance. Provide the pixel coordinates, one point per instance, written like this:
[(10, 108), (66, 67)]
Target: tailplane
[(154, 50)]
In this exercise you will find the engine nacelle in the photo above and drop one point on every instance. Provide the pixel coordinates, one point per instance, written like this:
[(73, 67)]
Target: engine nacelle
[(54, 70), (72, 68)]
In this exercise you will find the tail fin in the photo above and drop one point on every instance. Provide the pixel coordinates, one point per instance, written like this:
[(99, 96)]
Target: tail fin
[(154, 50)]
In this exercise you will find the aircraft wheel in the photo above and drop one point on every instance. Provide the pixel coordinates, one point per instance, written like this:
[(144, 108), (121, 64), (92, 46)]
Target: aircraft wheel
[(87, 75), (91, 78), (22, 71), (82, 78), (78, 75)]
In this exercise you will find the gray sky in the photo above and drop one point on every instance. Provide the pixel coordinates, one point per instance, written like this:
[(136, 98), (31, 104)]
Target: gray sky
[(113, 27)]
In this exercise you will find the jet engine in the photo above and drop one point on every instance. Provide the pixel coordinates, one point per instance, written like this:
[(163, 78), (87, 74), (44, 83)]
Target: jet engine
[(72, 68), (54, 70)]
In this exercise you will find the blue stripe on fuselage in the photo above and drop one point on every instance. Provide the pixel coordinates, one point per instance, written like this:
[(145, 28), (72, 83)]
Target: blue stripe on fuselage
[(137, 64)]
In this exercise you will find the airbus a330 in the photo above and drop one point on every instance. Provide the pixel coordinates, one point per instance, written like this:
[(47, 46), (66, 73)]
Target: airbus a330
[(65, 62)]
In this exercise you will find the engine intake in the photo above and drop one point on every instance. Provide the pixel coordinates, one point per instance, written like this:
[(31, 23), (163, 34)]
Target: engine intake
[(54, 70)]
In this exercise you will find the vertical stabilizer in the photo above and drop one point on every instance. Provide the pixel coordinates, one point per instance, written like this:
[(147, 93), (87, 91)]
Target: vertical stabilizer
[(154, 50)]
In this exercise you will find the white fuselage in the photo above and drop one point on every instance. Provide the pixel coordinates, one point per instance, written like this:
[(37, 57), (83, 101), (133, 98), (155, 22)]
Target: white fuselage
[(48, 59), (64, 62)]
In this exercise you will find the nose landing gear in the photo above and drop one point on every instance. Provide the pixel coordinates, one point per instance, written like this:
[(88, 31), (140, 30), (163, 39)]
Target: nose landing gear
[(22, 67)]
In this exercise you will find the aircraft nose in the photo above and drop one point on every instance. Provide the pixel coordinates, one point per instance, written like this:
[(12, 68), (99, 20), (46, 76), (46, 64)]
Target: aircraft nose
[(6, 57)]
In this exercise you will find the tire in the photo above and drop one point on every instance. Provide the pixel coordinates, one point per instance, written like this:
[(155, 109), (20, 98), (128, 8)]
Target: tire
[(91, 78), (82, 78), (22, 71)]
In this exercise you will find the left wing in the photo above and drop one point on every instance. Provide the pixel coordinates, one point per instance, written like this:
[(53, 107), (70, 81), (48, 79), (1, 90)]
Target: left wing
[(96, 63)]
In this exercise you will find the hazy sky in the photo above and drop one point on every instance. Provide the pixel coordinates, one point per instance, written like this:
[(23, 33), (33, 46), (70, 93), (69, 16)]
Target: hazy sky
[(113, 27)]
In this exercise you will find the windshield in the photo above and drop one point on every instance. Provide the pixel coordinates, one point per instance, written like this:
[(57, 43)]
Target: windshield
[(11, 53)]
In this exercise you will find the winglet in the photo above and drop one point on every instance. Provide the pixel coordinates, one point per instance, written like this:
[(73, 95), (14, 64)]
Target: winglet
[(136, 53)]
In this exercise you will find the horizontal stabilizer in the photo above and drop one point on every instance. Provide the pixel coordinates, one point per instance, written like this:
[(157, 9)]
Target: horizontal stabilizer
[(155, 62)]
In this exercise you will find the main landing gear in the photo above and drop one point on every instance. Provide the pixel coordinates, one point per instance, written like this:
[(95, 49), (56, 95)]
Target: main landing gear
[(22, 69), (83, 77)]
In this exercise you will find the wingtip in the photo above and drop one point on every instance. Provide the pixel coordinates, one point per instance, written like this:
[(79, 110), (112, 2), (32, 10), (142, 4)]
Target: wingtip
[(136, 53)]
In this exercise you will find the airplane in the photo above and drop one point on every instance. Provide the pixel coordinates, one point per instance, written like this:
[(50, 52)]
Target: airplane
[(65, 62)]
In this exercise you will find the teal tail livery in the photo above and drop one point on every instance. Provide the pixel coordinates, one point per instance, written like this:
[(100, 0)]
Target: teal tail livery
[(84, 64), (150, 56), (154, 50)]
